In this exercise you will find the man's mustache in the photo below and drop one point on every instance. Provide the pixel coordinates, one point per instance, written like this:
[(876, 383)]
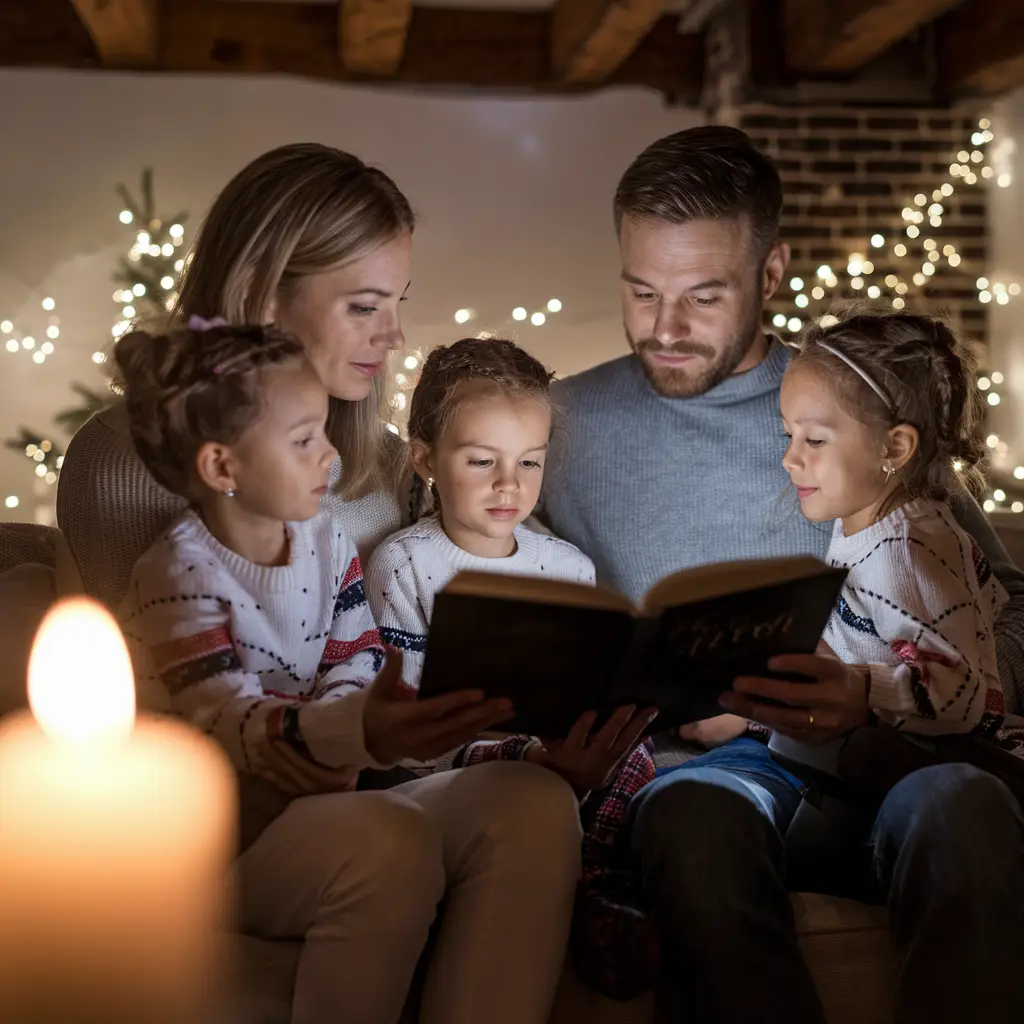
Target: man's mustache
[(679, 348)]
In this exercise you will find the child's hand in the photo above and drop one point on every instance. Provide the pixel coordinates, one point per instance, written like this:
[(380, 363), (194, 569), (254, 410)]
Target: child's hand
[(713, 732), (592, 764), (296, 775), (396, 725)]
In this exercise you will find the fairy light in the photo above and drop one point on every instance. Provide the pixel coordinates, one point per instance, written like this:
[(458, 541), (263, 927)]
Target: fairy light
[(554, 305), (537, 319)]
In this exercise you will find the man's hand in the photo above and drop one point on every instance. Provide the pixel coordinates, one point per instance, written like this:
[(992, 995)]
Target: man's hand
[(835, 702), (713, 732), (588, 762), (396, 725)]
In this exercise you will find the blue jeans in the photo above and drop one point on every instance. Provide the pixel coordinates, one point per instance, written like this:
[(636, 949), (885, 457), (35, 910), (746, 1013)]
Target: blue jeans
[(945, 849)]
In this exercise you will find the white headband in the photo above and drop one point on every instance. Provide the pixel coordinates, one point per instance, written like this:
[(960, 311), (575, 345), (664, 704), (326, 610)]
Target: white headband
[(863, 374)]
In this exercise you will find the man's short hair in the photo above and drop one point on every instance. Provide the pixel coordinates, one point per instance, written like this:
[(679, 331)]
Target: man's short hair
[(708, 173)]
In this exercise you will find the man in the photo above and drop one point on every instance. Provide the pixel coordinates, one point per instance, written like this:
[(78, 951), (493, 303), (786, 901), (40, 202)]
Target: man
[(672, 457)]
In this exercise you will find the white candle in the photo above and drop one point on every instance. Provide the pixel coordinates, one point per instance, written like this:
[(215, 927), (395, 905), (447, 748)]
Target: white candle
[(115, 840)]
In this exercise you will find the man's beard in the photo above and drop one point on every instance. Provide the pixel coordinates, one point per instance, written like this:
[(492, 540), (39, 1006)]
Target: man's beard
[(683, 382)]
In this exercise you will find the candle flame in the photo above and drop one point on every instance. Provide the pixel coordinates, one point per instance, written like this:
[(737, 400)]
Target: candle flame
[(80, 683)]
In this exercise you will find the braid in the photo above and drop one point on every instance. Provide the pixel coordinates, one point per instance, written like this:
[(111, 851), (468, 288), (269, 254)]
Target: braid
[(416, 491), (187, 387)]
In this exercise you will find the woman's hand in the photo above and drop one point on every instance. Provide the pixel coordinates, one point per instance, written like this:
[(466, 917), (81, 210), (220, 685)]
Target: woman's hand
[(590, 762), (713, 732), (833, 704), (396, 725)]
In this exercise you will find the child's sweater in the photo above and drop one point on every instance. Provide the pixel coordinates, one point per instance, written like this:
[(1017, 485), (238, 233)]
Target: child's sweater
[(918, 607), (251, 654), (614, 944)]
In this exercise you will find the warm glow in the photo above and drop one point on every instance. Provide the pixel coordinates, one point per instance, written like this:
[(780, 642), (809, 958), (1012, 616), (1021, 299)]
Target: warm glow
[(80, 683)]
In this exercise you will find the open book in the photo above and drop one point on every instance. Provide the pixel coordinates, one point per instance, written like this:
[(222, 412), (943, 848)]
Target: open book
[(559, 649)]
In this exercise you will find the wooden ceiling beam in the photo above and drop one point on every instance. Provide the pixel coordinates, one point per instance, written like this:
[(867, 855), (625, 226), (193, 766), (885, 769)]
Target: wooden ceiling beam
[(980, 48), (445, 48), (372, 34), (591, 38), (125, 32), (840, 36)]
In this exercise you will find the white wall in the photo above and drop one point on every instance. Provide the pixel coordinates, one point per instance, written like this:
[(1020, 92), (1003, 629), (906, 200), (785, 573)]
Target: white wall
[(1006, 264), (514, 198)]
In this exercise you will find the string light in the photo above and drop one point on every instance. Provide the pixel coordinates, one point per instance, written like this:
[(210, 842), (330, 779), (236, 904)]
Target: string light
[(519, 313), (537, 319), (11, 501), (554, 305)]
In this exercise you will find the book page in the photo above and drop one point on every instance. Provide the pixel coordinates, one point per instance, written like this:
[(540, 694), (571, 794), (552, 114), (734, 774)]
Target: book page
[(708, 581), (537, 591)]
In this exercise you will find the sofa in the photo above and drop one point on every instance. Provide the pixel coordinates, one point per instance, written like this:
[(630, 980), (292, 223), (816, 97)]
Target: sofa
[(846, 944)]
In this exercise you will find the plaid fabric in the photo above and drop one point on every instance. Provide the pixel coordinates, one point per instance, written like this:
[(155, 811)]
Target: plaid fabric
[(614, 944)]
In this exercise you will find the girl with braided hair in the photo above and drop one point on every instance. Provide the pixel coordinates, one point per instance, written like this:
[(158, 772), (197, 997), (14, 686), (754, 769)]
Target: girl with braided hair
[(249, 612), (479, 425), (883, 416)]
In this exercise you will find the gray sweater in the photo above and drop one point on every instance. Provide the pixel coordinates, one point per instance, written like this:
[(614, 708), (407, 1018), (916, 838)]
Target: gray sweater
[(647, 485)]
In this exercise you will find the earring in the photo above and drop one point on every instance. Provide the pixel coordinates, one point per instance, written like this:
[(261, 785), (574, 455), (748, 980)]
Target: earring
[(887, 470), (229, 493), (430, 482)]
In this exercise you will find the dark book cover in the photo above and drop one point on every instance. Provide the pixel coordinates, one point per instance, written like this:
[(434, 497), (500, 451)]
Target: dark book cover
[(556, 660)]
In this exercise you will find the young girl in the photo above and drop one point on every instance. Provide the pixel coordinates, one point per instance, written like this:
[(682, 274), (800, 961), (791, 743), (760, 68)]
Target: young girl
[(250, 613), (479, 425), (882, 412)]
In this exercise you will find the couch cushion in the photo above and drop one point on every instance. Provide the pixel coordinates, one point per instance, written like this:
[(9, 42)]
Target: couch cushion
[(846, 944)]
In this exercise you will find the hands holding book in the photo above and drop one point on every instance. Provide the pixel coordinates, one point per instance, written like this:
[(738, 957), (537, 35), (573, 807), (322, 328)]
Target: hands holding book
[(831, 701), (396, 725), (588, 762)]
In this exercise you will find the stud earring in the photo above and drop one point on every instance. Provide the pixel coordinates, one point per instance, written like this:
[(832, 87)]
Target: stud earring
[(229, 493)]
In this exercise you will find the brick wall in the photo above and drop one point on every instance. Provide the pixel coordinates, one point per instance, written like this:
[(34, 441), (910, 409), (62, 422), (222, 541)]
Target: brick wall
[(848, 173)]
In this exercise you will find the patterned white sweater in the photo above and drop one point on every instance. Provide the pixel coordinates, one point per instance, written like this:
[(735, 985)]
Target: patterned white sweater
[(249, 653), (410, 567), (918, 607)]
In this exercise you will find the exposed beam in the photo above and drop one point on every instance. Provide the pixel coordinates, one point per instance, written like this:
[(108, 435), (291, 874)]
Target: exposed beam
[(124, 31), (450, 48), (843, 35), (372, 34), (981, 48), (591, 38)]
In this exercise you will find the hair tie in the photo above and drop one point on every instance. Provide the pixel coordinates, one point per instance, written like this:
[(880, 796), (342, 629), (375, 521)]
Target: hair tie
[(198, 323)]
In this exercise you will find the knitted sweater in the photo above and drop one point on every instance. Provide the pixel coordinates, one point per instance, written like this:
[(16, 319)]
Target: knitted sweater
[(409, 568), (918, 607), (241, 648), (111, 510)]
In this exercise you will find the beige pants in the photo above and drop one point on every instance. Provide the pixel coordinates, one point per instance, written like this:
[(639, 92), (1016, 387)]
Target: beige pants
[(359, 876)]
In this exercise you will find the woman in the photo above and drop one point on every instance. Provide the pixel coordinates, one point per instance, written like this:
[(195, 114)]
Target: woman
[(312, 239)]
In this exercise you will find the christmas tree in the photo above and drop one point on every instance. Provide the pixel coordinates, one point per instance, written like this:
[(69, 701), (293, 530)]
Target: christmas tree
[(147, 282)]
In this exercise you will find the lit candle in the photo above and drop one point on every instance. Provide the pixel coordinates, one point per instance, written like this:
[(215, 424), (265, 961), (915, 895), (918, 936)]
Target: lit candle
[(115, 840)]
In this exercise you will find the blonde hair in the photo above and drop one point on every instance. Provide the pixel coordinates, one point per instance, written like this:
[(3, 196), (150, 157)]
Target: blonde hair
[(295, 212), (442, 389)]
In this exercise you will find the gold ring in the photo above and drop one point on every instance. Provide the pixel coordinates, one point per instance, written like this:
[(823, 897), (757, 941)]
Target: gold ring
[(810, 719)]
